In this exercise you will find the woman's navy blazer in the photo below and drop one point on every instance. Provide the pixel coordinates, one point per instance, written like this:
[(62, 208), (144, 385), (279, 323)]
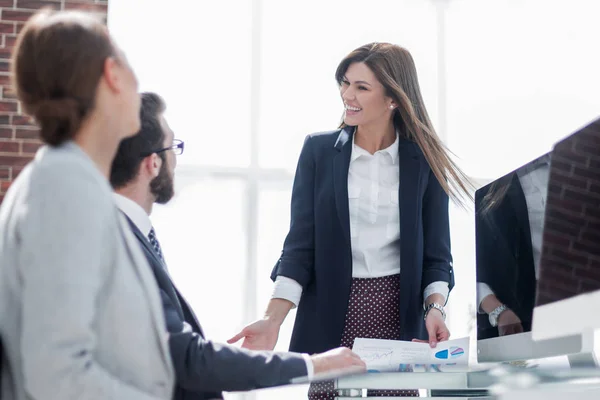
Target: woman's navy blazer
[(317, 249)]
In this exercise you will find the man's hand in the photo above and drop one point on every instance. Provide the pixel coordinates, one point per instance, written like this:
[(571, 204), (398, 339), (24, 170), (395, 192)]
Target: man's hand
[(259, 335), (341, 359)]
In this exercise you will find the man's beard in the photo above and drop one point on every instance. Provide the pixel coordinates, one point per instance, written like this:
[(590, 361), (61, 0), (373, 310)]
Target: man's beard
[(162, 186)]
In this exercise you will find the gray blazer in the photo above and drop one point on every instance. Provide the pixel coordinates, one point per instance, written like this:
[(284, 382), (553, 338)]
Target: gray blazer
[(80, 312)]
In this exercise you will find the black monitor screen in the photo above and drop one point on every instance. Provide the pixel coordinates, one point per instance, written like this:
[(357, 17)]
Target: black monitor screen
[(538, 234), (571, 252)]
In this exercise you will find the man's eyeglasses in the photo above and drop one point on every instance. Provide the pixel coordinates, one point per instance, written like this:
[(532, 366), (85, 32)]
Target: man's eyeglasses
[(177, 148)]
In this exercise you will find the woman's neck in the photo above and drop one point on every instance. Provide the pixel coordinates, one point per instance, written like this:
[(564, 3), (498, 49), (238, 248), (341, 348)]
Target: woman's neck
[(375, 138), (99, 142)]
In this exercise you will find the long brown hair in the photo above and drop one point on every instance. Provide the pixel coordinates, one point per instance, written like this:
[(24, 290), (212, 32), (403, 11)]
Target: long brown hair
[(57, 63), (395, 68)]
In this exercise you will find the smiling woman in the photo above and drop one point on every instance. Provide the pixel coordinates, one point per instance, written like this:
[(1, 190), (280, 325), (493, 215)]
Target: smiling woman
[(350, 263)]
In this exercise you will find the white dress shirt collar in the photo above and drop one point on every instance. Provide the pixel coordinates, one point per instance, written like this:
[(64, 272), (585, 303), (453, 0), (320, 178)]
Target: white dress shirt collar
[(135, 212), (358, 151)]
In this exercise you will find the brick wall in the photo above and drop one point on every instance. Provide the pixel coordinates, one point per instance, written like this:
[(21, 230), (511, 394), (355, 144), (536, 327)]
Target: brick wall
[(571, 249), (18, 136)]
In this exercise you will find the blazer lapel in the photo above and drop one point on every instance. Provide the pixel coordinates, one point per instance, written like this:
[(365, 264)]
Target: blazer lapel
[(174, 294), (341, 163), (149, 284), (517, 198), (408, 195), (160, 270)]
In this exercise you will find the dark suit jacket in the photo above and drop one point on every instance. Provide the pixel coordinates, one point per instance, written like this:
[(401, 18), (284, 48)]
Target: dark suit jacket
[(203, 368), (317, 249), (504, 253)]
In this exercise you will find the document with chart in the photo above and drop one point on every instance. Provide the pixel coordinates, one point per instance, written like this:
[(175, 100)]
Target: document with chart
[(395, 355)]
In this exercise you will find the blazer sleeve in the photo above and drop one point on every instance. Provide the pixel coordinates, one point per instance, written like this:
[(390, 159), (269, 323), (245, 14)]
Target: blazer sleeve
[(297, 258), (205, 366), (437, 259), (65, 252)]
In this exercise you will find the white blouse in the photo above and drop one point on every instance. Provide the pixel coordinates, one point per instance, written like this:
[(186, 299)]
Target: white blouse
[(373, 182)]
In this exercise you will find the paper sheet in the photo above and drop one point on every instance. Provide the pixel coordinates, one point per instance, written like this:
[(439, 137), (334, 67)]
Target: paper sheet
[(401, 356)]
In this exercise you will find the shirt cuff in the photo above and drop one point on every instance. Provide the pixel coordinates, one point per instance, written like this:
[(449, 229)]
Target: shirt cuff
[(483, 291), (310, 369), (287, 289), (439, 287)]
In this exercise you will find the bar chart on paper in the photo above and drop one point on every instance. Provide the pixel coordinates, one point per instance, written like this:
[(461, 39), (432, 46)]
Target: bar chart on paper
[(395, 355)]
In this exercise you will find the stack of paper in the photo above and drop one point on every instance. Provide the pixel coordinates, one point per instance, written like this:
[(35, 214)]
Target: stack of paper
[(400, 356)]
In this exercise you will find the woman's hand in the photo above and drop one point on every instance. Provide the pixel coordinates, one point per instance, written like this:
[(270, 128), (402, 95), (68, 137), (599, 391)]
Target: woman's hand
[(436, 327), (509, 323), (263, 334), (259, 335)]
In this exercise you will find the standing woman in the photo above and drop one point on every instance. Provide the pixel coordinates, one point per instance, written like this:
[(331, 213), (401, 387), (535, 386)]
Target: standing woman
[(368, 250), (80, 313)]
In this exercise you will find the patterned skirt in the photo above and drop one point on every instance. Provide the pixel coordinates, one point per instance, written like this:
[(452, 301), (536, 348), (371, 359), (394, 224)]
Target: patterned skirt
[(373, 312)]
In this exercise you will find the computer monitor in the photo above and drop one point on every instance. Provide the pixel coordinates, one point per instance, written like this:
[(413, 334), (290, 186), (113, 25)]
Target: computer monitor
[(509, 223), (568, 297)]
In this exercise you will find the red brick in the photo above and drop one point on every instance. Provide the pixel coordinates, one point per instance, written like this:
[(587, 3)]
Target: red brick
[(588, 286), (582, 171), (590, 274), (570, 257), (4, 79), (9, 147), (8, 106), (27, 133), (582, 196), (7, 27), (16, 15), (5, 173), (37, 4), (556, 239), (8, 93), (17, 161), (592, 213), (562, 166), (5, 52), (572, 206), (19, 27), (30, 147), (22, 120), (93, 7), (4, 66), (584, 149), (589, 236), (554, 187), (16, 171), (4, 119), (10, 40), (7, 3), (6, 133), (4, 185), (594, 163), (587, 248)]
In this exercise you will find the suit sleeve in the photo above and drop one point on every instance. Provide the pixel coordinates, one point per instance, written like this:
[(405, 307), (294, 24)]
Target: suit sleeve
[(297, 258), (437, 259), (205, 366), (64, 261)]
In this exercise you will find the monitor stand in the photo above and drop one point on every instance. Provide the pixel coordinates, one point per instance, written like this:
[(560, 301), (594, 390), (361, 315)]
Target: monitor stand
[(587, 357)]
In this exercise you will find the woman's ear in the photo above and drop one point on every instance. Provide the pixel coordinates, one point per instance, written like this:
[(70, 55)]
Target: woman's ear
[(111, 74)]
